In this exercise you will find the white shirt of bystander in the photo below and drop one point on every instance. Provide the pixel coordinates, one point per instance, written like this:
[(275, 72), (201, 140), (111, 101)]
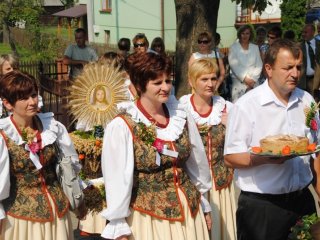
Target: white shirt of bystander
[(259, 114)]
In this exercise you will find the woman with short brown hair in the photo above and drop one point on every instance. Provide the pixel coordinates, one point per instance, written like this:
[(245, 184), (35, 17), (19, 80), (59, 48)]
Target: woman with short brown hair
[(153, 163), (33, 205)]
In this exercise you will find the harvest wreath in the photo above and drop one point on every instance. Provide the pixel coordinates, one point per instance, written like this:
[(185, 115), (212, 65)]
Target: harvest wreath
[(93, 99), (88, 145)]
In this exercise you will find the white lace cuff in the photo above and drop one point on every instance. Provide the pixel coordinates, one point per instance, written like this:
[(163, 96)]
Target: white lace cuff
[(205, 205), (116, 228), (2, 212)]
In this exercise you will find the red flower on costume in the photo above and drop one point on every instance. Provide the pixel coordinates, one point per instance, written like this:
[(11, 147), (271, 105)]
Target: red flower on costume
[(34, 147), (158, 144), (313, 125)]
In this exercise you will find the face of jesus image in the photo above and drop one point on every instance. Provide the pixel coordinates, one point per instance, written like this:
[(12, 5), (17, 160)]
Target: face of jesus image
[(100, 98)]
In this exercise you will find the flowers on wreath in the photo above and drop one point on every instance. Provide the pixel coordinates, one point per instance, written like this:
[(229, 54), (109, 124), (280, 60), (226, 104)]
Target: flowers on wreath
[(303, 228), (149, 136), (30, 137), (310, 113), (88, 143)]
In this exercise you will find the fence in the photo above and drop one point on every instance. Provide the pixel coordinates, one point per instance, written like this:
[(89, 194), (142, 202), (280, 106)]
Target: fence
[(36, 68)]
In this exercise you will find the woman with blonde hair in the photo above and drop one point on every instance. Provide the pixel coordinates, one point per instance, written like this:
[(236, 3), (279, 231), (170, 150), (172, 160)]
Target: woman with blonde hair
[(8, 62), (210, 113)]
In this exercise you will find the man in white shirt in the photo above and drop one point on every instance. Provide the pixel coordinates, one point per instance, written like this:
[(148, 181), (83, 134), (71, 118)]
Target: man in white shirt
[(274, 190)]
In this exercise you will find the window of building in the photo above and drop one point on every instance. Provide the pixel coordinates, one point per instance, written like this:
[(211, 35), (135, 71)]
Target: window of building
[(106, 6), (107, 36)]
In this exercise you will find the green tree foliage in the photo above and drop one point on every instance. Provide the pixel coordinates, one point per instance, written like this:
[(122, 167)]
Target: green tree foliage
[(13, 11), (293, 14), (258, 5)]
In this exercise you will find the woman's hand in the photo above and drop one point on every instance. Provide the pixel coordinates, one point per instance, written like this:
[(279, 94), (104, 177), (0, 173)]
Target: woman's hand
[(208, 219), (124, 237), (81, 212)]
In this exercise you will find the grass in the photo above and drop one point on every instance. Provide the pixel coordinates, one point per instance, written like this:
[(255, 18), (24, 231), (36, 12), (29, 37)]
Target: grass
[(54, 31), (5, 48), (24, 54)]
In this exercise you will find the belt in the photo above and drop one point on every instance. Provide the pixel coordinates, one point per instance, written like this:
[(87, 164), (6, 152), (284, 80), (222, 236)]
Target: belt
[(276, 197)]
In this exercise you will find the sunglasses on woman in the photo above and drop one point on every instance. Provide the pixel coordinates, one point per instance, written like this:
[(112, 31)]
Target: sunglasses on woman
[(203, 41), (136, 45)]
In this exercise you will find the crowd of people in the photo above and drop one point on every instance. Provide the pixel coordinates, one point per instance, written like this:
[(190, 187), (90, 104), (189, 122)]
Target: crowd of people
[(170, 165)]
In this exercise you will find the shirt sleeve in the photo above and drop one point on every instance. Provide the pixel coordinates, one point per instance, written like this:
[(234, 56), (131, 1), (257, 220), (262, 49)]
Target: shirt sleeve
[(4, 175), (94, 56), (68, 51), (255, 72), (67, 147), (235, 63), (197, 165), (238, 131), (117, 168)]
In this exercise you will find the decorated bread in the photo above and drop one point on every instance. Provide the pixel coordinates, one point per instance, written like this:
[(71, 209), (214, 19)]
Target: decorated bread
[(278, 143)]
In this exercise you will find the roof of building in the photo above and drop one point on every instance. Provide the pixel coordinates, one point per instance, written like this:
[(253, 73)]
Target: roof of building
[(74, 12)]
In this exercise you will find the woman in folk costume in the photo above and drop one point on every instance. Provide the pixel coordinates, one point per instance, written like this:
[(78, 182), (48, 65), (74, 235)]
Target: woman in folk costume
[(154, 164), (32, 203), (210, 114)]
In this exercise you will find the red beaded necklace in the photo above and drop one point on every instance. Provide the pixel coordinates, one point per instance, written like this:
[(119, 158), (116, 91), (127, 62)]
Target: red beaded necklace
[(150, 118), (195, 109)]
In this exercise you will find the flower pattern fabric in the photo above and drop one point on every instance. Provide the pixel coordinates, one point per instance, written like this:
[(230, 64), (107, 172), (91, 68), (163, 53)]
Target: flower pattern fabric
[(155, 187), (28, 195), (213, 138)]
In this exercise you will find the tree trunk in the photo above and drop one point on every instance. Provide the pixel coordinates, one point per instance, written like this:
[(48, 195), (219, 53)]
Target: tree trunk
[(193, 17), (10, 39)]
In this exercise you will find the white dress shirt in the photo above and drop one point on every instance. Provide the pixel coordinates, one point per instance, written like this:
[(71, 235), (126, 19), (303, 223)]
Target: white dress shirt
[(259, 114)]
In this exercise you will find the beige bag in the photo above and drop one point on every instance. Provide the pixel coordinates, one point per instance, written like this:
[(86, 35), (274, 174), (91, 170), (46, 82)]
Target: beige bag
[(69, 180)]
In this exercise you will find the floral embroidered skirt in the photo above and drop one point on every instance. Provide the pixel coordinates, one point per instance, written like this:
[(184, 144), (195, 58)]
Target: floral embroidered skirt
[(93, 223), (223, 206), (17, 229), (145, 227)]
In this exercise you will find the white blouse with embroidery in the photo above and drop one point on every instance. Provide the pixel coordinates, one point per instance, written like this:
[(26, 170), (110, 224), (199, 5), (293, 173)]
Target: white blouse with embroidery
[(52, 131), (118, 162), (214, 118)]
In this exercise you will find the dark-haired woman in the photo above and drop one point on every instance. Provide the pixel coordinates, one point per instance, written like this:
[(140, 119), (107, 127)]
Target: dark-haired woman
[(32, 203), (154, 164), (157, 45)]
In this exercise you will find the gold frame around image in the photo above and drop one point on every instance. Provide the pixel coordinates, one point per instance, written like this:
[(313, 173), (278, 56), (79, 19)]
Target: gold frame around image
[(97, 81)]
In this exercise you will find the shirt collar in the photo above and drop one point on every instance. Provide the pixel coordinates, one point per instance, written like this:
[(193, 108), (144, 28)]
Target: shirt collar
[(268, 96)]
